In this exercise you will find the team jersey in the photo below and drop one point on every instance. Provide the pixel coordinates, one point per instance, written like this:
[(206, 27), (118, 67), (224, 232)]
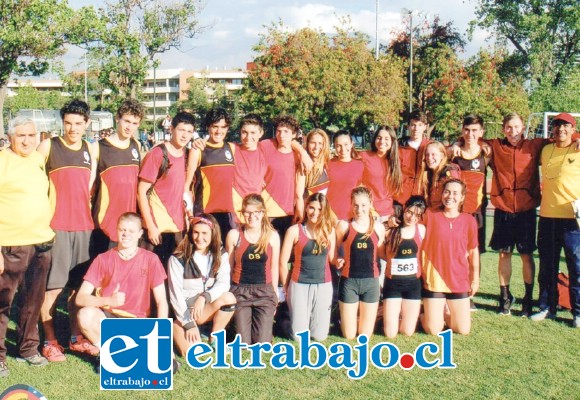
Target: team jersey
[(411, 161), (444, 263), (24, 206), (374, 177), (435, 189), (69, 173), (116, 183), (406, 261), (249, 174), (360, 255), (320, 186), (309, 267), (136, 278), (473, 172), (250, 267), (214, 179), (166, 199), (515, 184), (344, 176), (280, 180), (560, 181)]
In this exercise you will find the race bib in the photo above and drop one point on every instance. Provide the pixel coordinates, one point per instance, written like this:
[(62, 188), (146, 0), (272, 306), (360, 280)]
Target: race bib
[(404, 266)]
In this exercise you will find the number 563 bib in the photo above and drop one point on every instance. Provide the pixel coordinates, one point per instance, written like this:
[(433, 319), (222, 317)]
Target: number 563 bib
[(404, 266)]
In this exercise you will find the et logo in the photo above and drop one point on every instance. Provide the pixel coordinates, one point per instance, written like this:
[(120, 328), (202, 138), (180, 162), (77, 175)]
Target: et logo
[(136, 354)]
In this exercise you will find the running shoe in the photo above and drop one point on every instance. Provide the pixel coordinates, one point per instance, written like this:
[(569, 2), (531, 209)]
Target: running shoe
[(526, 307), (53, 352), (505, 305), (576, 322), (82, 345), (36, 360), (542, 315), (4, 371)]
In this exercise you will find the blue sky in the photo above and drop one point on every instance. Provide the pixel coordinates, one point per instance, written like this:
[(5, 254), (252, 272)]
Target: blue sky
[(236, 25)]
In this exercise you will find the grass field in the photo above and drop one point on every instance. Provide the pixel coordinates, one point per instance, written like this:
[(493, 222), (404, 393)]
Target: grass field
[(505, 357)]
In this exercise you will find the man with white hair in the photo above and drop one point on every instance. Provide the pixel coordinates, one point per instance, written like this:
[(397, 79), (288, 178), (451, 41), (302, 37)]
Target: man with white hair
[(25, 239)]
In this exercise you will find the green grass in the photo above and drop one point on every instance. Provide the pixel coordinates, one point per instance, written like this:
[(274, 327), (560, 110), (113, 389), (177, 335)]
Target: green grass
[(505, 357)]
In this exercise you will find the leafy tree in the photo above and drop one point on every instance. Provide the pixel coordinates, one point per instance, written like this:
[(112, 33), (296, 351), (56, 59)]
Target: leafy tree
[(324, 79), (545, 35), (32, 32), (29, 97), (134, 32)]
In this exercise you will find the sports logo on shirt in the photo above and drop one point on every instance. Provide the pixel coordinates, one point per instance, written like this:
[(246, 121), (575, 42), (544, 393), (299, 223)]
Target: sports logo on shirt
[(87, 157), (135, 154), (229, 156), (136, 354), (475, 164)]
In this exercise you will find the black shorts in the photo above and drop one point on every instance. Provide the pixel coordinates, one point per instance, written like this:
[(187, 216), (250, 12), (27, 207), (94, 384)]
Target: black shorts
[(514, 231), (353, 290), (407, 288), (427, 294)]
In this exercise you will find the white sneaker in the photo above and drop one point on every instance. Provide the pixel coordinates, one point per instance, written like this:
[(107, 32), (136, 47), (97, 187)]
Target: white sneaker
[(542, 315)]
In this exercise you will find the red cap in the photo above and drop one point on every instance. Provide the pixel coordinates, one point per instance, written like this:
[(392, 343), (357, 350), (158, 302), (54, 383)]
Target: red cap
[(566, 118)]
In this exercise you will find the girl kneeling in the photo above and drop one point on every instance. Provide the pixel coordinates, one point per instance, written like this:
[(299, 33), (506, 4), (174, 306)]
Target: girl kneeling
[(199, 280)]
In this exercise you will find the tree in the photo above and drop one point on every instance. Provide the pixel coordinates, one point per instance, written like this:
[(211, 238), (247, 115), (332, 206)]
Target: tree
[(29, 97), (134, 32), (432, 40), (324, 79), (545, 35), (33, 32)]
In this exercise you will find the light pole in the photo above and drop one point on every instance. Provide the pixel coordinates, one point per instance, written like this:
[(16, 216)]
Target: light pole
[(377, 30), (154, 98), (86, 91), (411, 62)]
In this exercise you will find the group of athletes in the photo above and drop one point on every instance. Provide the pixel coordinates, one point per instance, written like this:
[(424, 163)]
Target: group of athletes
[(212, 230)]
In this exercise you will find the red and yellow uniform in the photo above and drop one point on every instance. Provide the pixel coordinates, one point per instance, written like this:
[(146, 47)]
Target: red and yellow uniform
[(406, 261), (280, 180), (309, 268), (166, 199), (411, 161), (321, 184), (117, 176), (473, 172), (69, 173), (435, 189), (344, 176), (250, 267), (214, 179), (360, 255), (445, 267)]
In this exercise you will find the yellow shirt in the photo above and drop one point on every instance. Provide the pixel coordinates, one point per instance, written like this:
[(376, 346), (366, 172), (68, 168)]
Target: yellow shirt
[(25, 211), (560, 181)]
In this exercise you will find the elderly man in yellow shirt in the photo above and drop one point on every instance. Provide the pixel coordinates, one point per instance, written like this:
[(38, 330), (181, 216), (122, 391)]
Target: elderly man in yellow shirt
[(25, 239), (558, 227)]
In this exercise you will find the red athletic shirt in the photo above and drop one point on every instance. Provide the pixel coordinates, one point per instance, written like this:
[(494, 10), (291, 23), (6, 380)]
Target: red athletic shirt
[(473, 172), (445, 267), (249, 172), (214, 179), (375, 179), (280, 180), (435, 189), (117, 176), (344, 176), (166, 200), (411, 161), (136, 278), (69, 172)]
